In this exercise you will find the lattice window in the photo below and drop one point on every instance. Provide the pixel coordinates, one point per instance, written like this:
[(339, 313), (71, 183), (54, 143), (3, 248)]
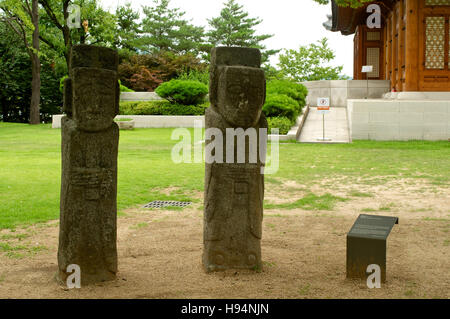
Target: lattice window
[(435, 43), (373, 36), (437, 2), (373, 58)]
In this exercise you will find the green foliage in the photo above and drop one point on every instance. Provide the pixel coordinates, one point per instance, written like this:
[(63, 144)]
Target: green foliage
[(296, 91), (15, 81), (285, 101), (283, 124), (58, 38), (123, 88), (183, 92), (160, 108), (281, 105), (51, 97), (128, 33), (233, 27), (310, 63), (165, 29), (311, 202), (346, 3), (195, 75), (61, 83)]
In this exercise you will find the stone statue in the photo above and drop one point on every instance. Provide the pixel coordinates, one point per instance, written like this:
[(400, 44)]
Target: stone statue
[(88, 211), (234, 192)]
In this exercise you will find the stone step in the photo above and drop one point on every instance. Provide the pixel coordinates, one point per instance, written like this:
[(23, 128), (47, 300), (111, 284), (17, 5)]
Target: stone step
[(336, 127)]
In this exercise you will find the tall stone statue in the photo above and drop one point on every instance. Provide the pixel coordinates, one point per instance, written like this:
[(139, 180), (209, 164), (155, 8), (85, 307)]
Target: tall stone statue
[(234, 189), (88, 211)]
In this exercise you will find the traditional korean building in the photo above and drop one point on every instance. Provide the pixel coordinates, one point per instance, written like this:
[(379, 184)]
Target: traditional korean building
[(411, 49)]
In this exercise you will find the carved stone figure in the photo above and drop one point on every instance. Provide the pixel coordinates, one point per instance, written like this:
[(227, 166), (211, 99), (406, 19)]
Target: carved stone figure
[(90, 138), (234, 192)]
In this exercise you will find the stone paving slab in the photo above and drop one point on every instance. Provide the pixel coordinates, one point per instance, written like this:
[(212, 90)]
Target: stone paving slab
[(336, 126)]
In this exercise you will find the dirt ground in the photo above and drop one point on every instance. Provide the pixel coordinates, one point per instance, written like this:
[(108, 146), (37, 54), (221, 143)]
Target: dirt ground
[(304, 252)]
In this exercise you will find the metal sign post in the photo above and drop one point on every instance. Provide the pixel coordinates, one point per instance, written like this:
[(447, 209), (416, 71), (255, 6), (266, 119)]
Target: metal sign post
[(323, 106), (367, 69)]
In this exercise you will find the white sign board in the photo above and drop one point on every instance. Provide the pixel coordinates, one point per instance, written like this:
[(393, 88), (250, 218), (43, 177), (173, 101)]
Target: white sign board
[(367, 69), (323, 105)]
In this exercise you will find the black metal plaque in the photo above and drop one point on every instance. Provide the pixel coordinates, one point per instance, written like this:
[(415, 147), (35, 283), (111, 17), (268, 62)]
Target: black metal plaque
[(366, 244)]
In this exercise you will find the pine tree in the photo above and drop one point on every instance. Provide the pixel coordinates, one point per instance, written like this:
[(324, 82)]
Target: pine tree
[(166, 30), (127, 28), (234, 28)]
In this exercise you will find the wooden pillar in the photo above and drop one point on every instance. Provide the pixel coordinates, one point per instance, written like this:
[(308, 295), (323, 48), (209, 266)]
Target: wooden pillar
[(359, 53), (386, 52), (389, 50), (412, 46), (394, 48), (400, 47)]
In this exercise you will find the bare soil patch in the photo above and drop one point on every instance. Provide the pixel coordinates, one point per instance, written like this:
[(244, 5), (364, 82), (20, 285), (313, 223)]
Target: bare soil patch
[(303, 251)]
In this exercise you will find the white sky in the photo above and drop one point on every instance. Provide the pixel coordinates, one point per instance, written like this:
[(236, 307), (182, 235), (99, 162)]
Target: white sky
[(292, 22)]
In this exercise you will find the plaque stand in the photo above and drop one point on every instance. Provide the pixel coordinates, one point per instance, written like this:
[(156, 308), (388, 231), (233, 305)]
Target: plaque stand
[(366, 244)]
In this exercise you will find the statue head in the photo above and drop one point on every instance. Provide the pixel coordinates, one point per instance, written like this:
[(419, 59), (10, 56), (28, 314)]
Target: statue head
[(94, 98), (237, 85), (91, 94), (240, 95)]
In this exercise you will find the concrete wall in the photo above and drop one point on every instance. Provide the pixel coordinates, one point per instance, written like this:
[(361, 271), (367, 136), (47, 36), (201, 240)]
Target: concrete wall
[(139, 96), (399, 120), (340, 91), (151, 121)]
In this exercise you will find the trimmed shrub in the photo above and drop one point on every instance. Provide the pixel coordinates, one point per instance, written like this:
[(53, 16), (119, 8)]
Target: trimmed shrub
[(279, 105), (296, 91), (283, 124), (183, 92), (195, 75), (160, 108), (123, 88)]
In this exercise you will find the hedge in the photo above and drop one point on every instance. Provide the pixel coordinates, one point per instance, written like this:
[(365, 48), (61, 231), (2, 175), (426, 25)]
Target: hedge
[(296, 91), (160, 108), (186, 92), (283, 124), (281, 105)]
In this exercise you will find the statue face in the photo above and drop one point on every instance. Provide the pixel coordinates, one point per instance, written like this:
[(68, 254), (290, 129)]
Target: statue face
[(241, 94), (94, 98)]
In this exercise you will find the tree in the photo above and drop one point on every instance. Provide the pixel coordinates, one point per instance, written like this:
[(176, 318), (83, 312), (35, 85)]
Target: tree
[(233, 27), (346, 3), (23, 18), (308, 63), (165, 29), (15, 82), (128, 32), (100, 29)]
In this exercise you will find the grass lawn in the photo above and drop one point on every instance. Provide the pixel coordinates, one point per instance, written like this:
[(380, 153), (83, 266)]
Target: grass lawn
[(30, 169)]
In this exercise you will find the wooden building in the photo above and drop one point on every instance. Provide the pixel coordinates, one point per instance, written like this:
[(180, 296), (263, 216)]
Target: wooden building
[(411, 49)]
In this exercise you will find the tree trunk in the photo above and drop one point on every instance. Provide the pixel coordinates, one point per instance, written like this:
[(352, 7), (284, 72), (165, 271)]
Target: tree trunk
[(36, 68), (66, 35)]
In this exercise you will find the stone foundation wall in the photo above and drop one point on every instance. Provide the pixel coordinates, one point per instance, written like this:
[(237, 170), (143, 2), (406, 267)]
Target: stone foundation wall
[(150, 121), (341, 91), (399, 120)]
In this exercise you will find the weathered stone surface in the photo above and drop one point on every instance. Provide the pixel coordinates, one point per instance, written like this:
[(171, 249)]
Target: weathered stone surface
[(88, 211), (234, 192)]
